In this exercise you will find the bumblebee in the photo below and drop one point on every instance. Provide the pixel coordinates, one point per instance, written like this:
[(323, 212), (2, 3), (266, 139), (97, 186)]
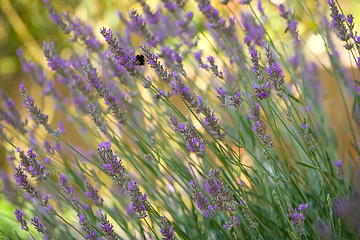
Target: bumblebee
[(140, 60)]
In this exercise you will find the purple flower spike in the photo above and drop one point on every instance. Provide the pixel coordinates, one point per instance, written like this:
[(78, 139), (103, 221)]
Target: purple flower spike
[(297, 217), (20, 218), (38, 226), (107, 227), (201, 201), (340, 169), (167, 230)]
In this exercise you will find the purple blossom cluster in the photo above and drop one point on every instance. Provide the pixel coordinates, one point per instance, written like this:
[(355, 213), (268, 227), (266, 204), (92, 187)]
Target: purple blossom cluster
[(253, 31), (340, 169), (274, 71), (11, 114), (220, 195), (138, 24), (191, 136), (38, 226), (291, 22), (114, 168), (20, 218), (201, 200), (33, 165), (305, 130), (93, 193), (74, 26), (259, 128), (234, 221), (103, 92), (106, 227), (297, 216), (89, 232), (21, 179), (36, 114), (167, 230), (339, 22), (126, 59)]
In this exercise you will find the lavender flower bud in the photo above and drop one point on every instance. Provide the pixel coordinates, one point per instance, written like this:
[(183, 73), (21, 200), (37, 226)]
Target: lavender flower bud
[(220, 195), (107, 227), (93, 194), (38, 226), (65, 184), (191, 136), (234, 221), (32, 165), (340, 169), (259, 128), (297, 217), (37, 116), (21, 179), (201, 200), (236, 99), (117, 171), (89, 233), (20, 218), (138, 199), (103, 91), (112, 166), (167, 230), (127, 60)]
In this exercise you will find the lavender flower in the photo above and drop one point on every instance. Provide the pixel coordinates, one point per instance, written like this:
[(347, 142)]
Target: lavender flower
[(221, 95), (103, 92), (180, 88), (274, 71), (220, 195), (112, 166), (92, 193), (117, 172), (340, 169), (197, 56), (305, 130), (297, 217), (32, 165), (11, 115), (212, 14), (259, 128), (95, 117), (249, 217), (201, 200), (291, 22), (138, 24), (20, 218), (126, 59), (262, 91), (234, 221), (167, 230), (138, 199), (21, 179), (38, 226), (214, 67), (252, 30), (152, 59), (191, 136), (338, 22), (89, 233), (74, 26), (236, 99), (37, 116), (107, 227), (65, 184)]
